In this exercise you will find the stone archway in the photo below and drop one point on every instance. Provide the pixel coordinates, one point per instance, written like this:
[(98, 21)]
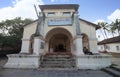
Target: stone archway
[(59, 40), (31, 44), (85, 41)]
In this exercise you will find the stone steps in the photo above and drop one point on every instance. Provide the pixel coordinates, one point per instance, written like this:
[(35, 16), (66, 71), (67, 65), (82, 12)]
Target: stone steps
[(58, 61), (112, 71), (116, 68)]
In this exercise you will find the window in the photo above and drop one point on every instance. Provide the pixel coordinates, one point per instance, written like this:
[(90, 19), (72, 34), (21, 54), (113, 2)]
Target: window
[(66, 13), (117, 48), (51, 13), (107, 47)]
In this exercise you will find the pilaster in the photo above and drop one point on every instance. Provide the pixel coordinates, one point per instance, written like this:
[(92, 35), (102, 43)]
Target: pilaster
[(78, 45), (25, 46), (38, 45)]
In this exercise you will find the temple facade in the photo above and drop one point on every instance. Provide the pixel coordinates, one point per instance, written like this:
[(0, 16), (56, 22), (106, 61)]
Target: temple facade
[(59, 29), (59, 32)]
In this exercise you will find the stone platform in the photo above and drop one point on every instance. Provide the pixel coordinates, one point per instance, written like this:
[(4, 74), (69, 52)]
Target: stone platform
[(93, 61), (81, 61), (22, 61)]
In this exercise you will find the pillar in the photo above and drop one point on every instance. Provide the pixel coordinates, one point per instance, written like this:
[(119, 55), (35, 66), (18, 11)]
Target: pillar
[(38, 45), (25, 46), (78, 46)]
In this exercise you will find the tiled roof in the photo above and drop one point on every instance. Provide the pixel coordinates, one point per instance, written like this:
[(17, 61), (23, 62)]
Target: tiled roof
[(110, 40), (96, 26)]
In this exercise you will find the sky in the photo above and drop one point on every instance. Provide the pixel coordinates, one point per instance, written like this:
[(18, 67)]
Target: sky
[(90, 10)]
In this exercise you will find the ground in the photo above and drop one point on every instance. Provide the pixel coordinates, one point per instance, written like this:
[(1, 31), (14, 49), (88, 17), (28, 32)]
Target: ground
[(52, 73)]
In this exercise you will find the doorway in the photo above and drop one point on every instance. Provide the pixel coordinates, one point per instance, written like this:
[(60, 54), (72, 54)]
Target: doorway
[(59, 43)]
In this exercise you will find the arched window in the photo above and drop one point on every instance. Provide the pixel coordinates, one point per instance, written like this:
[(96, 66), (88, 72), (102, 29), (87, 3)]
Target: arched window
[(85, 41), (31, 44)]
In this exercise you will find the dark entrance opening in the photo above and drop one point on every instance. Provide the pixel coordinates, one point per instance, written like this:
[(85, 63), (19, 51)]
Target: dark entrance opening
[(59, 43), (60, 48)]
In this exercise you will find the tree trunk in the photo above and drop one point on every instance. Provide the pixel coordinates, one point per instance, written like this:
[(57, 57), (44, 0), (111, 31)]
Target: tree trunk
[(113, 34), (102, 33), (119, 32), (105, 34)]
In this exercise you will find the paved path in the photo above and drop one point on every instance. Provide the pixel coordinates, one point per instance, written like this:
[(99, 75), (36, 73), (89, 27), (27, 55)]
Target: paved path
[(51, 73)]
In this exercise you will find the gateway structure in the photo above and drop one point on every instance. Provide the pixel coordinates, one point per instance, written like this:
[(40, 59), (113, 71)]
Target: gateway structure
[(57, 39)]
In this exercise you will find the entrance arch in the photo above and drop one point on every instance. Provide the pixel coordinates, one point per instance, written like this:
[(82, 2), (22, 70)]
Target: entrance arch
[(85, 41), (59, 40), (31, 44)]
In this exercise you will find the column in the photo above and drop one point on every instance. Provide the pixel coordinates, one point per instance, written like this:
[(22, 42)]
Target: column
[(38, 45), (78, 46), (25, 46)]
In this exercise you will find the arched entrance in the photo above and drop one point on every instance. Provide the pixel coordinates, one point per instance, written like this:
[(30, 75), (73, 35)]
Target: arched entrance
[(31, 44), (59, 41), (85, 41)]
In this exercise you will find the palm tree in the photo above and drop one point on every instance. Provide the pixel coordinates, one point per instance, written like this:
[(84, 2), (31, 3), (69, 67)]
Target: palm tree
[(112, 28), (104, 26), (101, 31), (115, 26)]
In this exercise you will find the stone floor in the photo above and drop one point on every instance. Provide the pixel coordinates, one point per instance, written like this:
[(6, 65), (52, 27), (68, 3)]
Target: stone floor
[(51, 73)]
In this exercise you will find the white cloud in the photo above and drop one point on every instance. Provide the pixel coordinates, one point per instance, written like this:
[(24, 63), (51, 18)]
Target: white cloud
[(20, 8), (99, 20), (114, 15)]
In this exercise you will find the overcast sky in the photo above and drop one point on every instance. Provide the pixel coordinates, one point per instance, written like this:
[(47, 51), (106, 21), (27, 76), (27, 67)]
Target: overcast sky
[(90, 10)]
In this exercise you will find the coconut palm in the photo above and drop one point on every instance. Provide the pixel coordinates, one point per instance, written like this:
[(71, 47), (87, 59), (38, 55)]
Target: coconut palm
[(115, 26), (104, 26), (112, 28), (101, 31)]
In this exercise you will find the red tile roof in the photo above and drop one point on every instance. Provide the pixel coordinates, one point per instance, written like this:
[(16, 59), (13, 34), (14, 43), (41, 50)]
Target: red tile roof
[(110, 40)]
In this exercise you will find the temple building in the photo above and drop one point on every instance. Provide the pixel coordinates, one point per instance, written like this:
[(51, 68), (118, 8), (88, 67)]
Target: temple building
[(59, 39)]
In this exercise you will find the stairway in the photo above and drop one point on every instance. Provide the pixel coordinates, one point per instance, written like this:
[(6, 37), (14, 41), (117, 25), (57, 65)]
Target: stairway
[(58, 61), (114, 70)]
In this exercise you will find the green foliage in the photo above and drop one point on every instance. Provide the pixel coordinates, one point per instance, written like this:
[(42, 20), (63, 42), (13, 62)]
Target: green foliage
[(115, 26), (104, 26), (112, 27), (12, 31)]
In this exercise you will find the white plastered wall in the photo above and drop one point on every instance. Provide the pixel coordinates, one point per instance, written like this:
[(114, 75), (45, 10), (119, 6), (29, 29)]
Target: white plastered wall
[(28, 31), (90, 31), (112, 47)]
